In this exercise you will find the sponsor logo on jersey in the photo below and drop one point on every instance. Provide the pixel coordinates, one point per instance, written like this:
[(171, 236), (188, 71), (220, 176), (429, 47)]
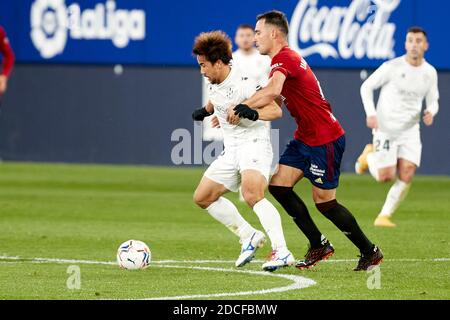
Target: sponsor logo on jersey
[(359, 30), (53, 23), (276, 65)]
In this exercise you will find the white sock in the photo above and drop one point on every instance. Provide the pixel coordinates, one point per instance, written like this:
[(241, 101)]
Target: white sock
[(224, 211), (395, 196), (270, 220), (373, 168)]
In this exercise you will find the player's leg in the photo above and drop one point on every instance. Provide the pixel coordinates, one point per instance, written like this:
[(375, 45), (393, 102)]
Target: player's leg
[(220, 178), (409, 156), (409, 153), (254, 184), (208, 196), (362, 164), (282, 189), (324, 175), (380, 158), (343, 219)]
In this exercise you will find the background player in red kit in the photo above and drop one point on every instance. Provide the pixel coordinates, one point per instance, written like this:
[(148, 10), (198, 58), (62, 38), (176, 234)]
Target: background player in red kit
[(8, 60), (316, 150)]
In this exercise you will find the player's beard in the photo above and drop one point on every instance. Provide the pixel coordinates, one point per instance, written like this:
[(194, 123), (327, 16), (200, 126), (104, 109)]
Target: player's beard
[(212, 80)]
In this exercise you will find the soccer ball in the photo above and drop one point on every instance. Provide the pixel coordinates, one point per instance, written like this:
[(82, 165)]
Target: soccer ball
[(133, 254)]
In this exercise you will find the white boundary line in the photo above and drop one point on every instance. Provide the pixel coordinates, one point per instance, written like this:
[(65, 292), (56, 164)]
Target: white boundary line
[(298, 282)]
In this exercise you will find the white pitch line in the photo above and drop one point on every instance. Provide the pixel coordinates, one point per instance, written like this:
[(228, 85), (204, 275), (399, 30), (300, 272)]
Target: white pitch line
[(299, 282)]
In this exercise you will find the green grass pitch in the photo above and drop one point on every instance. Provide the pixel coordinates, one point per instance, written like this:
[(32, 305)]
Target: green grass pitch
[(79, 212)]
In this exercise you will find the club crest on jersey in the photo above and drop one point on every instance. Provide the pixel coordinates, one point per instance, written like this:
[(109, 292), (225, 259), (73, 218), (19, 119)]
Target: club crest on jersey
[(230, 92)]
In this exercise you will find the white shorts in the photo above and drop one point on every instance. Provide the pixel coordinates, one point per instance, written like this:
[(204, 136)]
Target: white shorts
[(388, 148), (254, 154)]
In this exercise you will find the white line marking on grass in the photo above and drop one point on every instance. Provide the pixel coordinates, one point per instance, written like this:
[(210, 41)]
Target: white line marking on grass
[(298, 281)]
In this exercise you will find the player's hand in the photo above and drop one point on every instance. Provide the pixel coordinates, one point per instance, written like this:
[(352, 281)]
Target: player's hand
[(215, 122), (231, 117), (3, 83), (372, 122), (244, 111), (200, 114), (428, 118)]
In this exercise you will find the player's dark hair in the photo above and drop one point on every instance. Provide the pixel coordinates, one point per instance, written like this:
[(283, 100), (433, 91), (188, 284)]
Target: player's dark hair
[(276, 18), (245, 26), (417, 29), (214, 45)]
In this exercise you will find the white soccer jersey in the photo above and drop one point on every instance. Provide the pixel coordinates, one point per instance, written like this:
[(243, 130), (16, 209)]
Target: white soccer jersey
[(254, 65), (403, 88), (236, 88)]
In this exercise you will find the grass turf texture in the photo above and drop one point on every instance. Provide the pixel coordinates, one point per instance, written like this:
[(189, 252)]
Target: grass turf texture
[(85, 212)]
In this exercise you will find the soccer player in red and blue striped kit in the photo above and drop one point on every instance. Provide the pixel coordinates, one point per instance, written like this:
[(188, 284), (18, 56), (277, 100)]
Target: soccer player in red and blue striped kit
[(7, 62), (316, 150)]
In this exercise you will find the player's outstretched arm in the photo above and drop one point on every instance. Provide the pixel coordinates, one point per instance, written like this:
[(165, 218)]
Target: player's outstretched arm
[(269, 93), (270, 112)]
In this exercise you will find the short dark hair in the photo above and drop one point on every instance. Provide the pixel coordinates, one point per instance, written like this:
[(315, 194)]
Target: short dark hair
[(245, 26), (416, 29), (214, 45), (276, 18)]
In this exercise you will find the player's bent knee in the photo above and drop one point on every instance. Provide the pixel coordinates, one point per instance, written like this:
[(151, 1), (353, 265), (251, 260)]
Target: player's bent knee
[(202, 200), (279, 193), (325, 207), (252, 197), (386, 177)]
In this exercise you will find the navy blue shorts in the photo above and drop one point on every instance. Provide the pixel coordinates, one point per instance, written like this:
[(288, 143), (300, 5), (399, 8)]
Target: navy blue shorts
[(321, 164)]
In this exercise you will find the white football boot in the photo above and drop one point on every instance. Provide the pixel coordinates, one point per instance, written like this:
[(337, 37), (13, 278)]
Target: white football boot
[(249, 247), (278, 259)]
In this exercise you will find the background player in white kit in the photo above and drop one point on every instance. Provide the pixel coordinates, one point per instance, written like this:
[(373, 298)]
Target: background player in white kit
[(247, 156), (247, 57), (404, 82)]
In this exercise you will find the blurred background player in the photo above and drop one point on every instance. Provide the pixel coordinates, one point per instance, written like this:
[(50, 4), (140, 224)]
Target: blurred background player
[(316, 150), (247, 156), (248, 58), (405, 82), (7, 61)]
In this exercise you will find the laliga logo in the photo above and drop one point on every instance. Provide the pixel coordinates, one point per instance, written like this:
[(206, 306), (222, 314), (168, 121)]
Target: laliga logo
[(344, 32), (52, 22)]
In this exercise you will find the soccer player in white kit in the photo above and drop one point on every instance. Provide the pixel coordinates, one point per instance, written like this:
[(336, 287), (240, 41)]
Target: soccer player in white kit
[(247, 156), (405, 82), (248, 59)]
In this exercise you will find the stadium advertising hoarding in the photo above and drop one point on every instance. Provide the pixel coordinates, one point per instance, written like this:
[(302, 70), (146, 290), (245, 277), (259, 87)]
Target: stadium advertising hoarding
[(332, 33)]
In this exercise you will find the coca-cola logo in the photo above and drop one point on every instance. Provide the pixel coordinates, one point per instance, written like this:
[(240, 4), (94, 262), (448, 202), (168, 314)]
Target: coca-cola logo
[(361, 30)]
